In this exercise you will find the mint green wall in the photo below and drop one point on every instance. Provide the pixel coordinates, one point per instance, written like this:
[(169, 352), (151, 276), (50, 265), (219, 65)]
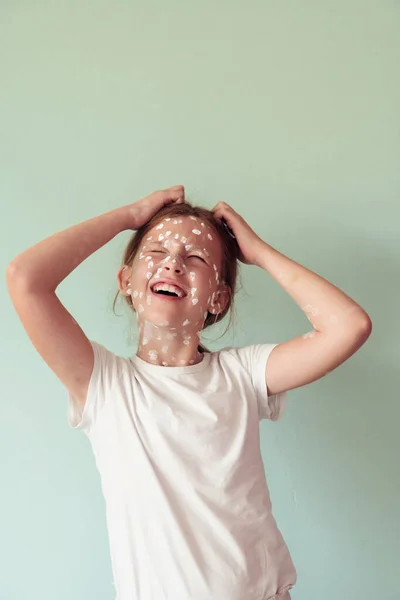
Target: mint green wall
[(290, 112)]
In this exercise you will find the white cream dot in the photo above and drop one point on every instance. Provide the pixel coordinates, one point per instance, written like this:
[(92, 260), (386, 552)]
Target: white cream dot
[(149, 275), (210, 237), (195, 300), (160, 226), (196, 231), (160, 237), (140, 308)]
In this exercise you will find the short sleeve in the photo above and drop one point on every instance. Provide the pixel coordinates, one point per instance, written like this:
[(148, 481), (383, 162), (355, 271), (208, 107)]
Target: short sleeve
[(104, 371), (254, 358)]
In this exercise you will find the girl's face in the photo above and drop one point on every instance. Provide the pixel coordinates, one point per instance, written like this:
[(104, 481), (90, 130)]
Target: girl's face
[(176, 274)]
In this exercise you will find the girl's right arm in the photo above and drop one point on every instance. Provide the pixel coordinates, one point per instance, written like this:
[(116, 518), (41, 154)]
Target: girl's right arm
[(33, 276)]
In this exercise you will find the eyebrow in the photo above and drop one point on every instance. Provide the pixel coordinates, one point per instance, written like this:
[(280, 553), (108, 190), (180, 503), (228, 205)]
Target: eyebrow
[(161, 243)]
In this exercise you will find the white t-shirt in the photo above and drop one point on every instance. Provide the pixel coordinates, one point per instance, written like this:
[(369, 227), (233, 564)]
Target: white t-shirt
[(177, 448)]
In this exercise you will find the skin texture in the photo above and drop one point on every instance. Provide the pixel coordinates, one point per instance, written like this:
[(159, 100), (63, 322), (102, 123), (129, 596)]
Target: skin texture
[(187, 252)]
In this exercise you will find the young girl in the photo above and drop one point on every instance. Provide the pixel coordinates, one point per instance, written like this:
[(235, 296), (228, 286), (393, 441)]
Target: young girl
[(175, 428)]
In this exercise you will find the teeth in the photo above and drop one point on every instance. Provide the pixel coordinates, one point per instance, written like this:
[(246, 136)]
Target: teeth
[(165, 287)]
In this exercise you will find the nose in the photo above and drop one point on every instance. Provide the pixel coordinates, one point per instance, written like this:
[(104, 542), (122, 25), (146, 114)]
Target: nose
[(174, 265)]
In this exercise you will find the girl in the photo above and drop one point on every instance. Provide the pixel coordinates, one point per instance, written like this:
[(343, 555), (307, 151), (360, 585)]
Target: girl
[(175, 428)]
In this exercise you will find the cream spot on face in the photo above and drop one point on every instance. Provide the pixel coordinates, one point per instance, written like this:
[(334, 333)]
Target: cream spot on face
[(176, 236), (183, 240), (210, 237), (168, 233), (191, 276), (193, 290), (140, 294), (188, 246), (171, 336), (196, 231), (153, 355), (150, 264), (149, 275), (147, 258), (165, 364), (140, 308), (149, 238), (160, 226), (160, 237), (164, 349), (148, 299), (195, 300), (145, 341), (185, 322), (135, 293)]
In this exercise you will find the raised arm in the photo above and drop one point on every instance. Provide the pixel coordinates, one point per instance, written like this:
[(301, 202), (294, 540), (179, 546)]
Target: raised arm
[(33, 276)]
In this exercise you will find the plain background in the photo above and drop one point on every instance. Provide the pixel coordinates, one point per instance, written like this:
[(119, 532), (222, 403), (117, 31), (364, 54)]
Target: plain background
[(289, 111)]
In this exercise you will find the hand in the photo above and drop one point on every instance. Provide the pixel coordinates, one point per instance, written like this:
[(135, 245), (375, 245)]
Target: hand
[(141, 211), (250, 244)]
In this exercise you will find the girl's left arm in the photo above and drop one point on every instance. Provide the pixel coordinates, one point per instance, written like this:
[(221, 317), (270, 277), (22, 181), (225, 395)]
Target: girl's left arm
[(340, 325)]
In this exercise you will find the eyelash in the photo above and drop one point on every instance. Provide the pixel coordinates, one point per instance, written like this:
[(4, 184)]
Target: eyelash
[(191, 256)]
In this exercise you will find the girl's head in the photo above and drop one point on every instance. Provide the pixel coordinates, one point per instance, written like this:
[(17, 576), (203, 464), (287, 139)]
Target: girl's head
[(180, 269)]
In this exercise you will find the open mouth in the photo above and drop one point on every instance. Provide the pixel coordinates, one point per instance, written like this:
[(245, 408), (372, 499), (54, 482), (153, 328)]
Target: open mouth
[(168, 290)]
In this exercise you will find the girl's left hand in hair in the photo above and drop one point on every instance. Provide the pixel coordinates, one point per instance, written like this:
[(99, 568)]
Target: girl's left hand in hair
[(250, 244)]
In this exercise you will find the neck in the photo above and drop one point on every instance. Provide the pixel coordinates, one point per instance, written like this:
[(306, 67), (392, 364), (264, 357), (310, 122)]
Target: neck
[(168, 346)]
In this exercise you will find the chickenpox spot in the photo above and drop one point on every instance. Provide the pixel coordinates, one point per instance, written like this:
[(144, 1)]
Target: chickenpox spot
[(153, 355), (147, 258), (140, 308), (202, 224), (195, 300), (168, 233), (164, 349), (196, 231), (167, 244), (185, 322), (191, 362), (150, 264), (148, 300), (168, 219), (160, 237), (135, 293), (310, 334), (149, 238), (171, 336), (188, 246), (215, 267), (183, 240), (160, 226), (192, 276), (141, 295), (176, 236), (165, 364), (193, 218), (149, 275), (193, 290), (145, 341), (210, 237)]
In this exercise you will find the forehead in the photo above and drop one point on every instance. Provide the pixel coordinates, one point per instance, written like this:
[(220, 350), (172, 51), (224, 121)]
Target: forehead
[(186, 230)]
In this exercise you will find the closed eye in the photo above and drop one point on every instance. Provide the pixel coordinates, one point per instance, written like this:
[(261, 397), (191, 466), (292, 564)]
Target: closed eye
[(196, 256)]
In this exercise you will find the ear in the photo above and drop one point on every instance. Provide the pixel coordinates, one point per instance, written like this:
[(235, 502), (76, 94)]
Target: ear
[(220, 299), (123, 278)]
